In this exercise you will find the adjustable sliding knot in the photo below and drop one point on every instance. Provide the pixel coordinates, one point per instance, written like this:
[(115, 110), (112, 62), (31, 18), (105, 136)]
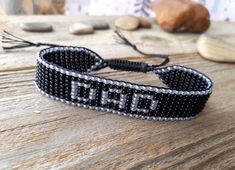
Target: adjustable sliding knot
[(126, 65)]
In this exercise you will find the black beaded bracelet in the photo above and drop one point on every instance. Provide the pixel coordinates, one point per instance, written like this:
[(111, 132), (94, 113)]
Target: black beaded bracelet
[(63, 74)]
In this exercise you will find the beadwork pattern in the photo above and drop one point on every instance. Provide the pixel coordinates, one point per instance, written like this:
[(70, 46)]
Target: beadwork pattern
[(63, 75)]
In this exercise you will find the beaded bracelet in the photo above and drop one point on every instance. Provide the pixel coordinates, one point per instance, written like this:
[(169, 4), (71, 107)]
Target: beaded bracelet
[(63, 74)]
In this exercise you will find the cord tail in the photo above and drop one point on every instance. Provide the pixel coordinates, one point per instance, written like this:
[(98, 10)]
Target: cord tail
[(13, 42), (125, 41)]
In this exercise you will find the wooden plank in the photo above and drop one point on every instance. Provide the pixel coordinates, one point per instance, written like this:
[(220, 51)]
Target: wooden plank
[(39, 133), (151, 40)]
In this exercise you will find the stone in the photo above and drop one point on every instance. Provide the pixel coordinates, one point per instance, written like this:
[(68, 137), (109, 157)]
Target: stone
[(181, 16), (36, 27), (80, 28), (97, 24), (145, 23), (127, 22), (37, 111), (214, 49)]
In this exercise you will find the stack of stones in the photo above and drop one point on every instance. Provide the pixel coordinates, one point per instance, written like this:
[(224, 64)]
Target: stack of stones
[(87, 26), (132, 23)]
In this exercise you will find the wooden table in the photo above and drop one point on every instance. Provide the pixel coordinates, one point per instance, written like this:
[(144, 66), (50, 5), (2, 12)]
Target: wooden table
[(39, 133)]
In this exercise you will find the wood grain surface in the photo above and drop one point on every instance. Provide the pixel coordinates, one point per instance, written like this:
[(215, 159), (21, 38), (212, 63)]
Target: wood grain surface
[(39, 133)]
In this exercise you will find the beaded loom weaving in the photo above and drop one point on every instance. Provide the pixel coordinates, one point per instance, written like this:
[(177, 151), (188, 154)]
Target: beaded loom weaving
[(63, 74)]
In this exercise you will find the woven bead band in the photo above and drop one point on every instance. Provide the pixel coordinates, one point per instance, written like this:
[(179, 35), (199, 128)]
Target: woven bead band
[(63, 75)]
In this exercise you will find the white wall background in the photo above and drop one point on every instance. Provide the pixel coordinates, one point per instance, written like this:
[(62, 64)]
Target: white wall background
[(219, 9)]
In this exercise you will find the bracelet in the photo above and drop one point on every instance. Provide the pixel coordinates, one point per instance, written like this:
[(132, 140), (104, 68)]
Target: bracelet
[(63, 74)]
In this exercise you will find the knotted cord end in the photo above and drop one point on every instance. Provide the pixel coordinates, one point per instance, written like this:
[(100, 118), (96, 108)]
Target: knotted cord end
[(11, 41)]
